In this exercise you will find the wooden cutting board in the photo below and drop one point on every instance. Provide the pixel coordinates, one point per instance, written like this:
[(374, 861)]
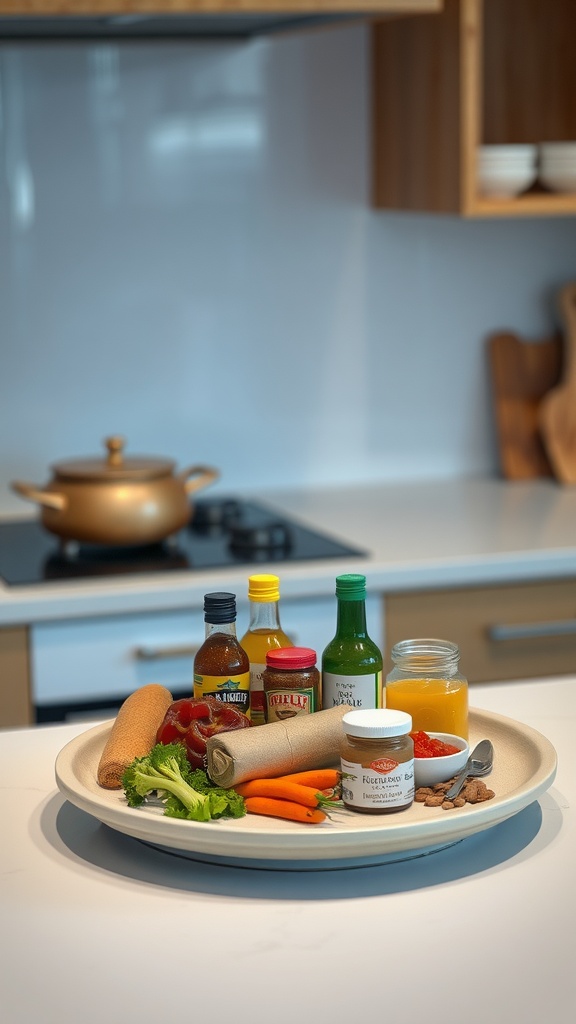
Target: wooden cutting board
[(521, 373), (557, 413)]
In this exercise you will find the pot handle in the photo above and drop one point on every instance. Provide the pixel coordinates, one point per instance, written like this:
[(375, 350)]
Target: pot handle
[(203, 475), (32, 493)]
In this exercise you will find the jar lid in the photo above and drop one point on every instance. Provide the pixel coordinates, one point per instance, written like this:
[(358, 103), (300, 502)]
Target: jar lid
[(263, 587), (291, 657), (114, 466), (377, 722), (351, 586), (219, 608)]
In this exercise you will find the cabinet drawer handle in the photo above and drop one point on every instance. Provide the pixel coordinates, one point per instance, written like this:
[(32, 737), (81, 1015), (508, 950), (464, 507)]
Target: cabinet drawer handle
[(530, 630), (147, 653)]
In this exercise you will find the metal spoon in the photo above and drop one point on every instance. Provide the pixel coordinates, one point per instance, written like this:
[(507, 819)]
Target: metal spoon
[(479, 763)]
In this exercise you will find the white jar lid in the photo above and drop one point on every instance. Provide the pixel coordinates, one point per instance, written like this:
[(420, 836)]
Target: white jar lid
[(377, 722)]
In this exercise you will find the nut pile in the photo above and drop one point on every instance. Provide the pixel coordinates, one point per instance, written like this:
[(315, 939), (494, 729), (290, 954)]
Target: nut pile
[(474, 791)]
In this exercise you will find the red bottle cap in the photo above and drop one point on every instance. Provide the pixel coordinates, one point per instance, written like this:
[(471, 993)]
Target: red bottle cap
[(291, 657)]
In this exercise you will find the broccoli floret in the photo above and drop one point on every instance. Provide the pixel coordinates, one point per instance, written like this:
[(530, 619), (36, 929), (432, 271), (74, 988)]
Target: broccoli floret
[(185, 794), (164, 770)]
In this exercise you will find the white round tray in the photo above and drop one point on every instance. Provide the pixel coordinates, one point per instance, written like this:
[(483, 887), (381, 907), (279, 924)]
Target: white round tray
[(524, 767)]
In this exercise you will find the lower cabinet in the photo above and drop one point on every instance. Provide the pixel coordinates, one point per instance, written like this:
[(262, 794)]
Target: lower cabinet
[(57, 671), (90, 665), (87, 667), (15, 696), (516, 631)]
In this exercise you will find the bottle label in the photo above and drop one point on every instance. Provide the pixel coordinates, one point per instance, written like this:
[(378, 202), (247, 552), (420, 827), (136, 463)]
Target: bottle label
[(283, 704), (361, 691), (257, 698), (385, 783), (228, 689)]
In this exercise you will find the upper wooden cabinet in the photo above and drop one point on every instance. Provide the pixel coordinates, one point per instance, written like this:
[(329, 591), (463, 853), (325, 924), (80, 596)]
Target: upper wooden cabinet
[(479, 72)]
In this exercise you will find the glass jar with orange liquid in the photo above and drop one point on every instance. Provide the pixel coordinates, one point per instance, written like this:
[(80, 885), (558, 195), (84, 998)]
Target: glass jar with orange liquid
[(426, 683)]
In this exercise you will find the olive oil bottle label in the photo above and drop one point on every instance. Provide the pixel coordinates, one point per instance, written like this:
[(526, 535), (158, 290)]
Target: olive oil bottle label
[(385, 783), (363, 691), (257, 698), (228, 689), (283, 704)]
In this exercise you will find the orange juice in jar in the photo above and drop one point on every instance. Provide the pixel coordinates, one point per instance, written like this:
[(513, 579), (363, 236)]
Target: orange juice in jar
[(426, 683)]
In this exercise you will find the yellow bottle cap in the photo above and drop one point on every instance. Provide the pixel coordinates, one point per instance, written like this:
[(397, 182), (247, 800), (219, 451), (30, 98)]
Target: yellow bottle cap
[(263, 587)]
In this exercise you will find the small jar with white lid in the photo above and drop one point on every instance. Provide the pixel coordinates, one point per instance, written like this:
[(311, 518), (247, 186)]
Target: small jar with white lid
[(377, 761)]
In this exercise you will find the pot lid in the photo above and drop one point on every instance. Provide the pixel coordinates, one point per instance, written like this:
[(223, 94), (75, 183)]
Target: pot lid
[(114, 466)]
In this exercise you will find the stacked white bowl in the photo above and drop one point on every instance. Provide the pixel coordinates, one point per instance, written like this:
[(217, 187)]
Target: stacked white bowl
[(505, 171), (558, 166)]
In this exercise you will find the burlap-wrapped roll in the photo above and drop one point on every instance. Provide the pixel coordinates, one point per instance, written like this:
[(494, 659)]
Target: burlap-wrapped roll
[(279, 748)]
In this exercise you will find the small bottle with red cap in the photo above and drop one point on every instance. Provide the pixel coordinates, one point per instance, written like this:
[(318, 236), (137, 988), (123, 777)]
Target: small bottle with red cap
[(291, 683)]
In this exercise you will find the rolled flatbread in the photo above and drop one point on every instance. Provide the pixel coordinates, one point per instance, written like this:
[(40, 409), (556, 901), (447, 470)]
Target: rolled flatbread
[(278, 748), (133, 732)]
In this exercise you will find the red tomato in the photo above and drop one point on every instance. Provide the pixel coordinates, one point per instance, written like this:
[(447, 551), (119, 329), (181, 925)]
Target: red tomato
[(426, 746), (193, 720)]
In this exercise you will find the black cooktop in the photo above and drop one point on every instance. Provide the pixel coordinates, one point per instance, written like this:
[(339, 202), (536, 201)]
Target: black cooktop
[(223, 532)]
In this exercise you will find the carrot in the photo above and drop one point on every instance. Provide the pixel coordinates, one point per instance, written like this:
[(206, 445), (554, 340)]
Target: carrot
[(281, 791), (274, 808), (322, 778)]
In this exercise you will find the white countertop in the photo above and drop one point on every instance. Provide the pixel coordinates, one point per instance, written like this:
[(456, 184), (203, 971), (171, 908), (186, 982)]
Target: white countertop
[(426, 534), (97, 927)]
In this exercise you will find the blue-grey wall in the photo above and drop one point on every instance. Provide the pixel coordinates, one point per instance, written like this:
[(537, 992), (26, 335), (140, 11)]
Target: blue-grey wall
[(188, 257)]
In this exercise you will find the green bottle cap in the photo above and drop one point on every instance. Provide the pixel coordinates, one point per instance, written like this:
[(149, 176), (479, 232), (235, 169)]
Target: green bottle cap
[(351, 587)]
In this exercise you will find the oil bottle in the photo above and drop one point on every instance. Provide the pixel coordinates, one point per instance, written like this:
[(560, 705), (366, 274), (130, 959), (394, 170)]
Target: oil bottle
[(264, 634), (221, 665), (352, 662)]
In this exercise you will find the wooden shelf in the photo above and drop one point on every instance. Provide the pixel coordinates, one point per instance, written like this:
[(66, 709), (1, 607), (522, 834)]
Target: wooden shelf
[(536, 204), (479, 72), (79, 8), (44, 20)]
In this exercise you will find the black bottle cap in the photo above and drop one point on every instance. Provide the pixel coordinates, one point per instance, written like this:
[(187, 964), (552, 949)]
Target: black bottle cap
[(219, 607)]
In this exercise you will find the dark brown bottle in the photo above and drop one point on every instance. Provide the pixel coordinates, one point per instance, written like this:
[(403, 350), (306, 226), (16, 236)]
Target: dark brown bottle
[(221, 665)]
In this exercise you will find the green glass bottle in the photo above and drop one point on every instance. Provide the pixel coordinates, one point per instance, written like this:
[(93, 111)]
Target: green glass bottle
[(352, 662)]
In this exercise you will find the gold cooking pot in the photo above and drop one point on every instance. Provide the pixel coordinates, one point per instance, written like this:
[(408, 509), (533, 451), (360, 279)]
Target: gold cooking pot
[(116, 500)]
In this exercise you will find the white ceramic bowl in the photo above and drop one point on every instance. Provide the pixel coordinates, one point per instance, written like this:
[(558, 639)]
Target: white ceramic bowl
[(559, 179), (558, 166), (430, 770), (510, 155), (558, 161), (504, 182), (505, 171), (557, 151)]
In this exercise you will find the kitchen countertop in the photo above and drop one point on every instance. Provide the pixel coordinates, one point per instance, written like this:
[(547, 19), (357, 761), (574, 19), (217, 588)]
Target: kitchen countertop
[(99, 927), (416, 535)]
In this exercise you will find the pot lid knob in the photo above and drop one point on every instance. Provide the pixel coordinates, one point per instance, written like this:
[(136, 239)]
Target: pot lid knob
[(115, 446)]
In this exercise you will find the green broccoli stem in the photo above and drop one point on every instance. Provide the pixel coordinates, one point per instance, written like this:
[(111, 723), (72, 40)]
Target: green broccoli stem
[(170, 780)]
